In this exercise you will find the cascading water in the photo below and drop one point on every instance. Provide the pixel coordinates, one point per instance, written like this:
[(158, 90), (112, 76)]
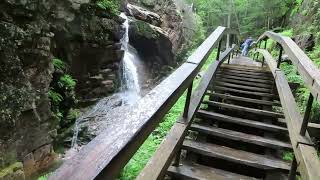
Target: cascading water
[(130, 81), (130, 87)]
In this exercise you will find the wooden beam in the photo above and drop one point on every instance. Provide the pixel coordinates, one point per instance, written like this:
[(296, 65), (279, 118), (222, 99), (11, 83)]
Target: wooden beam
[(305, 153), (243, 87), (244, 99), (239, 136), (305, 66), (236, 156), (235, 77), (243, 92), (253, 84), (244, 109), (243, 122)]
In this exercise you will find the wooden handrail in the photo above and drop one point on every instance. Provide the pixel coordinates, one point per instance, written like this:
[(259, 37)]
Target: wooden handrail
[(305, 153), (106, 155), (160, 161), (306, 68)]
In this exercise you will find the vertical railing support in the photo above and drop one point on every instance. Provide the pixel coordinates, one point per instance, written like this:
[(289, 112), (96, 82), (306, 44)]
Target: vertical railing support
[(188, 99), (265, 47), (229, 59), (293, 170), (280, 56), (219, 49), (306, 118), (185, 116)]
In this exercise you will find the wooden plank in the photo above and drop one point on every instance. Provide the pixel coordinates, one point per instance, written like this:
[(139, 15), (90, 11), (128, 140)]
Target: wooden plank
[(106, 155), (237, 71), (243, 92), (192, 171), (253, 84), (162, 158), (244, 79), (305, 153), (244, 75), (242, 137), (243, 87), (236, 156), (240, 121), (244, 99), (244, 109), (244, 68)]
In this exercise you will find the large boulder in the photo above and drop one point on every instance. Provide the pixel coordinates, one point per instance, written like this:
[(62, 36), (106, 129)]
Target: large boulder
[(144, 14), (151, 42)]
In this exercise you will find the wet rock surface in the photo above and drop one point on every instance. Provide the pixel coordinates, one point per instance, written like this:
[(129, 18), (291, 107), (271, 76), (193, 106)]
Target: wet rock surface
[(32, 33)]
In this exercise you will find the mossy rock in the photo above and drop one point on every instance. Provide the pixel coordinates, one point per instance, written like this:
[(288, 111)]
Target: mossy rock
[(10, 170), (144, 29), (148, 3)]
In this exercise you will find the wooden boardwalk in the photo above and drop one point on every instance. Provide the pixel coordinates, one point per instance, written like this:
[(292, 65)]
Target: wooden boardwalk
[(237, 123), (236, 134)]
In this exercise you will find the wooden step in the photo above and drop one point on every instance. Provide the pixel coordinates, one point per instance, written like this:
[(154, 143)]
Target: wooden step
[(235, 77), (237, 71), (245, 75), (226, 89), (236, 156), (240, 121), (254, 84), (243, 87), (188, 171), (244, 68), (243, 99), (245, 109), (239, 136)]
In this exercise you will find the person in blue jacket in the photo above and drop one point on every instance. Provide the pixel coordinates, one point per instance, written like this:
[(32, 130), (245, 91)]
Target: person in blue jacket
[(246, 45)]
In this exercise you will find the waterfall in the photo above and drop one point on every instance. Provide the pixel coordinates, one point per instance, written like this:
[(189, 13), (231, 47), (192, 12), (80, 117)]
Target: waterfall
[(130, 86)]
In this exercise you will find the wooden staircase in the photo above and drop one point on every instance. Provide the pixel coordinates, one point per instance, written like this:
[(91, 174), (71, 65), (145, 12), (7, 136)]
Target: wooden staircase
[(237, 133)]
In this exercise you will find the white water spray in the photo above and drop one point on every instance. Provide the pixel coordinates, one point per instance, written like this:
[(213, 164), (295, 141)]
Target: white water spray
[(130, 81)]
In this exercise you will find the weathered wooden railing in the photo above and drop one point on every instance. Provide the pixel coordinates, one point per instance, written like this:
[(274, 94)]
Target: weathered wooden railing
[(106, 155), (306, 158)]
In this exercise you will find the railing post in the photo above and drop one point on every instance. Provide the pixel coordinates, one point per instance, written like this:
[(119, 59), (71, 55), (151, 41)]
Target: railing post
[(280, 56), (256, 56), (265, 47), (229, 59), (185, 115), (306, 118), (293, 170), (219, 49), (188, 99)]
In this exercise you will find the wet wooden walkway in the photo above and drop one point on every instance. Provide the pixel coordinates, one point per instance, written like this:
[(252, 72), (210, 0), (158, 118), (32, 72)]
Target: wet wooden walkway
[(237, 133)]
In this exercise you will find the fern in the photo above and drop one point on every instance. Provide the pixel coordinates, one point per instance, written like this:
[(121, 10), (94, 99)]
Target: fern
[(66, 81), (109, 5), (58, 64), (55, 97)]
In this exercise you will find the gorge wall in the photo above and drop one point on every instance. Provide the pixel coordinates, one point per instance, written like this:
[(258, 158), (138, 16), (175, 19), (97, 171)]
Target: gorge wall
[(86, 37)]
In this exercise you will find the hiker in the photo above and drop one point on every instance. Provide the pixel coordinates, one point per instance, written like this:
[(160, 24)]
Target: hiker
[(246, 45)]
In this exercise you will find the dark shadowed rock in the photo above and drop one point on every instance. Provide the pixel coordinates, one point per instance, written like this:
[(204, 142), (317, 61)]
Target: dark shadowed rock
[(151, 42)]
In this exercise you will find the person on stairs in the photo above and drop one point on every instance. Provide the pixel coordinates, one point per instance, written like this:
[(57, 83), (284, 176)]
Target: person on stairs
[(246, 45)]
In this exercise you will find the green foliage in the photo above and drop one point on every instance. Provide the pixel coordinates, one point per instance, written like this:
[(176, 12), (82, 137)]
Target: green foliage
[(55, 97), (109, 5), (288, 156), (58, 64), (73, 114), (288, 33), (67, 82)]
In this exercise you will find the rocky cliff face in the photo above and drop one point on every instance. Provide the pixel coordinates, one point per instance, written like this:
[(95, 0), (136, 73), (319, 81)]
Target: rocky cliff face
[(87, 38), (32, 33)]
